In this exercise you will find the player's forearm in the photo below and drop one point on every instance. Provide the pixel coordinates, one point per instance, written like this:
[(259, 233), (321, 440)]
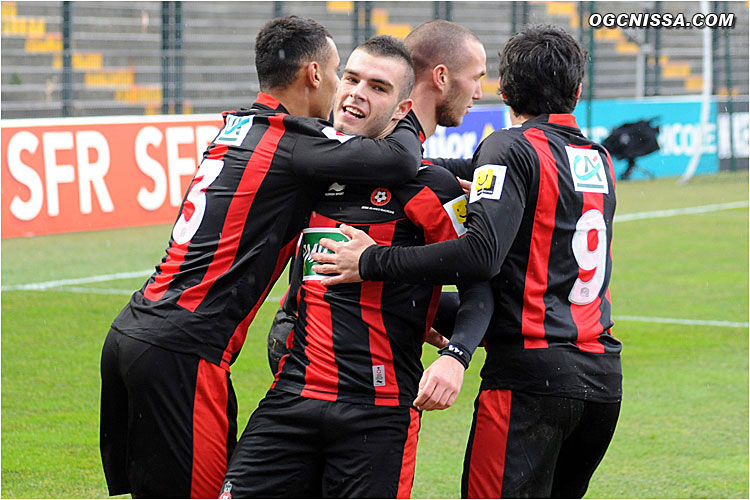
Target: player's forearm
[(471, 258), (472, 319), (445, 318), (360, 160)]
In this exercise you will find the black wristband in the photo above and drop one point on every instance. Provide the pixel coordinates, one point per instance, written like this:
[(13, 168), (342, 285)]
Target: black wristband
[(457, 351)]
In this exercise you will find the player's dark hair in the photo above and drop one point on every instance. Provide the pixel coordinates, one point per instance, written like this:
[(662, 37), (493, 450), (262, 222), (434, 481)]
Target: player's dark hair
[(438, 42), (541, 67), (387, 46), (283, 45)]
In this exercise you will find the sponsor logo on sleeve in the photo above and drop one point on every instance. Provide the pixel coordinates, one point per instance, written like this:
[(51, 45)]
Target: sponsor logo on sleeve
[(488, 182), (456, 210), (235, 129), (587, 170), (334, 134)]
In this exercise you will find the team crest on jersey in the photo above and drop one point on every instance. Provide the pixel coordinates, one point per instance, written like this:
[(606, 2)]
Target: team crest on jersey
[(378, 375), (587, 170), (226, 493), (235, 129), (488, 182), (456, 210), (332, 133), (380, 197)]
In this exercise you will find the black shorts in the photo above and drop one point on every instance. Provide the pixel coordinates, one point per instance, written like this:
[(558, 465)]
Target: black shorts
[(295, 447), (530, 446), (168, 421)]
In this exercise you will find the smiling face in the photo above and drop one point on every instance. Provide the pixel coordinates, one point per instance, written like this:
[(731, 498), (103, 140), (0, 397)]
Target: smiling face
[(463, 86), (368, 101)]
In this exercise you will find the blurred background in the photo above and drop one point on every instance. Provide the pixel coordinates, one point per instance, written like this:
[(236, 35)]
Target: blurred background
[(113, 58)]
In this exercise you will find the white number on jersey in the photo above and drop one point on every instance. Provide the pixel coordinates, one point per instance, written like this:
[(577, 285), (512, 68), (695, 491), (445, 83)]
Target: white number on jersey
[(194, 207), (585, 292)]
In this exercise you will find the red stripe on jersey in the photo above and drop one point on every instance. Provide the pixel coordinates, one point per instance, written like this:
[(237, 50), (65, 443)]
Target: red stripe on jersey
[(234, 223), (489, 441), (563, 119), (409, 458), (611, 169), (532, 316), (322, 374), (318, 220), (380, 344), (167, 270), (240, 333), (176, 252), (426, 211), (384, 376), (587, 318), (210, 429)]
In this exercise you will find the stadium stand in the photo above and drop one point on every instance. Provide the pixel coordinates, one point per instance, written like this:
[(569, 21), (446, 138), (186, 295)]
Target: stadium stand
[(117, 58)]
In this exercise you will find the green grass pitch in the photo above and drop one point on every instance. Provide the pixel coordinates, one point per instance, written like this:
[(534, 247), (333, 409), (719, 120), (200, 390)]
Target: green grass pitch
[(683, 430)]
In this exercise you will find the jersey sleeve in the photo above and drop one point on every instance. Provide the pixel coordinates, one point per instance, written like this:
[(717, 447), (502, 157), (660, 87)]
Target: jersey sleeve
[(323, 154), (473, 316), (435, 202), (445, 317), (459, 167), (496, 204)]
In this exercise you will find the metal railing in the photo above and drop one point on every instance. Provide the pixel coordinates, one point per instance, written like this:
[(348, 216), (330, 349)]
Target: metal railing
[(105, 58)]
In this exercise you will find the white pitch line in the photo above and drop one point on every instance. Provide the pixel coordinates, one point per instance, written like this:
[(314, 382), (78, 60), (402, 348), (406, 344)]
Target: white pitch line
[(78, 281), (681, 211), (677, 321), (102, 291), (113, 291)]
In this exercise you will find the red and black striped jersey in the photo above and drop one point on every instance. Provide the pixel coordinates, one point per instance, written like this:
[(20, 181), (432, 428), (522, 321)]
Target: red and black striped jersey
[(539, 224), (240, 219), (363, 342)]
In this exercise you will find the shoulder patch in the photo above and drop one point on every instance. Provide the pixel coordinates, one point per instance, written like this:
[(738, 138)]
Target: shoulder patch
[(587, 170), (488, 182), (456, 210), (235, 130)]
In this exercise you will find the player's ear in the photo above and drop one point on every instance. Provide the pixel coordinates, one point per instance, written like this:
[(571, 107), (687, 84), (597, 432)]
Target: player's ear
[(440, 76), (313, 75), (403, 109), (578, 93)]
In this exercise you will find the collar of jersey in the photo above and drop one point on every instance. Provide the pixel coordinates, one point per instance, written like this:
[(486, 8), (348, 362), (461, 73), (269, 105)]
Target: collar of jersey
[(269, 101), (565, 119), (420, 130)]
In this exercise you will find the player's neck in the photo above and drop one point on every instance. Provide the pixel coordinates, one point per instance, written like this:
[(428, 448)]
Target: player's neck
[(295, 100), (424, 108), (518, 118)]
